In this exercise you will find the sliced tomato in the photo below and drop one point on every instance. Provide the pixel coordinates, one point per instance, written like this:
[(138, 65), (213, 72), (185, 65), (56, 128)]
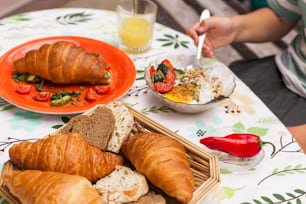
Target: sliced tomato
[(163, 87), (42, 96), (168, 64), (101, 89), (91, 95), (23, 88), (170, 76), (152, 71)]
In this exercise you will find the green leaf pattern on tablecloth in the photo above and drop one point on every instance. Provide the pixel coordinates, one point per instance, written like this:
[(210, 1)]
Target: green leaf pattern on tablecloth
[(156, 109), (288, 170), (239, 128), (4, 106), (173, 40), (15, 19), (73, 18), (7, 107), (277, 198), (269, 121), (140, 75), (230, 192), (225, 171), (26, 120), (64, 119), (19, 17)]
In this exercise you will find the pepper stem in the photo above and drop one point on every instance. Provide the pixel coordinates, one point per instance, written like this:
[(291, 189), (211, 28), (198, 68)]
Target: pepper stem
[(270, 143)]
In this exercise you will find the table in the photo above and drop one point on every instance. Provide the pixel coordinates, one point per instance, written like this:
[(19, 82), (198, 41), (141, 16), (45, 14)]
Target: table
[(278, 178)]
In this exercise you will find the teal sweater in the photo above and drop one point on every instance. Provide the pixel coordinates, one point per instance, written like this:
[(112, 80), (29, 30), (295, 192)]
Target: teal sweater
[(292, 62)]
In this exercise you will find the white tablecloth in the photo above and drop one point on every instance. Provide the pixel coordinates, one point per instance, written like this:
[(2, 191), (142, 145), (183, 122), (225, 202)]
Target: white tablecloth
[(279, 178)]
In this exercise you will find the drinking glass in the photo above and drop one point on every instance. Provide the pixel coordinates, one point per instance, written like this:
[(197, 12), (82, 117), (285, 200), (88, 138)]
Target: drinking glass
[(136, 20)]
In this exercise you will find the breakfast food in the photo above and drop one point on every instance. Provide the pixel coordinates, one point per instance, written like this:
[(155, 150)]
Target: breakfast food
[(107, 127), (191, 85), (96, 128), (122, 185), (124, 121), (64, 63), (66, 153), (163, 76), (36, 187), (156, 162), (163, 161), (150, 197), (196, 87)]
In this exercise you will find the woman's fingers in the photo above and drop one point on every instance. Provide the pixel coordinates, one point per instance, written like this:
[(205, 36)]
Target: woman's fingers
[(192, 32), (207, 51)]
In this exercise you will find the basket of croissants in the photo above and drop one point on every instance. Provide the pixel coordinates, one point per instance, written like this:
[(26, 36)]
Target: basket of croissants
[(109, 154)]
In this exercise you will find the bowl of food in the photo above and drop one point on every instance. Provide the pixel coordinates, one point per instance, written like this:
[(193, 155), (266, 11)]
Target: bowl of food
[(186, 88)]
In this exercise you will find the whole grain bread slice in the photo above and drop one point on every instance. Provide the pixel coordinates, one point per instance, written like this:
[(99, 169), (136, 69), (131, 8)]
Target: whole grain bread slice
[(96, 128), (123, 125)]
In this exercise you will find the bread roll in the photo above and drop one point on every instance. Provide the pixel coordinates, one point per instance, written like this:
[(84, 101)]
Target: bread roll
[(163, 161), (44, 187)]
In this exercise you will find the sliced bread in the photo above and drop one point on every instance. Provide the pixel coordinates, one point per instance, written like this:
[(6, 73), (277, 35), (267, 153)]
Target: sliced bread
[(96, 128), (123, 125), (150, 198), (122, 185)]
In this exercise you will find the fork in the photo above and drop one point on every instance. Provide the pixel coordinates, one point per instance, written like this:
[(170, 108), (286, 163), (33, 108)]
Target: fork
[(204, 15)]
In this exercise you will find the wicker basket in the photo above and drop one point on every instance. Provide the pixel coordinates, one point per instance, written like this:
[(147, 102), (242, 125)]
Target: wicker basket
[(204, 165)]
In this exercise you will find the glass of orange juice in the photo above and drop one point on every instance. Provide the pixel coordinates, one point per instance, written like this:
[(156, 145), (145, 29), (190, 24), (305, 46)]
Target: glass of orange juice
[(136, 20)]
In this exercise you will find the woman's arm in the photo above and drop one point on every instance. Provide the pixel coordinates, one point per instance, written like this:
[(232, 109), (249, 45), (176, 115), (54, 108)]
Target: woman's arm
[(260, 26)]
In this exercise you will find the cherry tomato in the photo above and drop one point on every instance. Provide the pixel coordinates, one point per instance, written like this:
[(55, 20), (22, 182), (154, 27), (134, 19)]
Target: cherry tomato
[(91, 95), (163, 87), (23, 88), (168, 63), (101, 89), (42, 96)]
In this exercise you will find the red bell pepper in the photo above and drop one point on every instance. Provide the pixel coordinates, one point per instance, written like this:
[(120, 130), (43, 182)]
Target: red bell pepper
[(239, 145)]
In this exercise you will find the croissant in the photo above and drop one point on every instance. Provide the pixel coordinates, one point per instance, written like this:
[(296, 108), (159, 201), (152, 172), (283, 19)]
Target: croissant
[(39, 187), (163, 161), (64, 63), (66, 153)]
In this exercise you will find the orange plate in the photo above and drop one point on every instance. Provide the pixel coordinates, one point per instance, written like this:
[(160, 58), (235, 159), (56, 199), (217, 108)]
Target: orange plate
[(122, 71)]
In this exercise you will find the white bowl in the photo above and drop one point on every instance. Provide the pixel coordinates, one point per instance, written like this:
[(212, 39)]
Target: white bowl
[(212, 68)]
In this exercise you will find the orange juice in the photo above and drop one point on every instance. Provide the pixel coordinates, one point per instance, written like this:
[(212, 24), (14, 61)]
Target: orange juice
[(135, 32)]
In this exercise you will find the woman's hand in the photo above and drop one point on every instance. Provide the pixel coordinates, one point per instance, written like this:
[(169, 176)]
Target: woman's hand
[(220, 31), (252, 27)]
